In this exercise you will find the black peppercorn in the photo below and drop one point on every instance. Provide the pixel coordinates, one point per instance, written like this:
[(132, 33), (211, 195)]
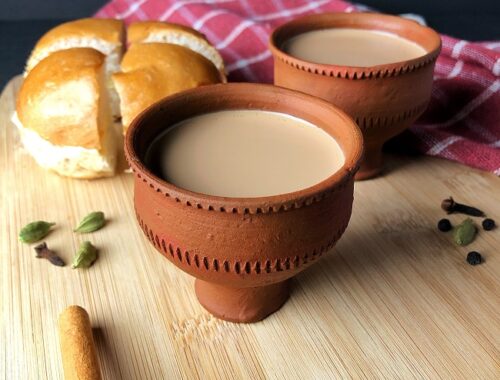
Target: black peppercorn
[(488, 224), (444, 225), (474, 258)]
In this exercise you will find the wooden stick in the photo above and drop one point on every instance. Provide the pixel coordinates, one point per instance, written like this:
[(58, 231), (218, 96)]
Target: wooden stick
[(77, 345)]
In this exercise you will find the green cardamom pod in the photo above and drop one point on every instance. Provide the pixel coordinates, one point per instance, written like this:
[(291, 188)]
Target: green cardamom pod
[(465, 232), (92, 222), (34, 231), (85, 256)]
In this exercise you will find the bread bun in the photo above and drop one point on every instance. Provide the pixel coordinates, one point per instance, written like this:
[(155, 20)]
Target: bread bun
[(104, 35), (152, 71), (73, 77), (64, 115), (154, 31)]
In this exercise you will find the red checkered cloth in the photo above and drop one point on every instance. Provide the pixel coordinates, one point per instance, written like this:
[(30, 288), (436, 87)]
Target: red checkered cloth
[(462, 122)]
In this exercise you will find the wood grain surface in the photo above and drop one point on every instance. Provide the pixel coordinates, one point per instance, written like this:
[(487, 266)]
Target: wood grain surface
[(394, 299)]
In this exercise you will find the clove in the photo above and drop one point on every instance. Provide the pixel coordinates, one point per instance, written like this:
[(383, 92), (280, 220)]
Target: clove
[(450, 206), (43, 252)]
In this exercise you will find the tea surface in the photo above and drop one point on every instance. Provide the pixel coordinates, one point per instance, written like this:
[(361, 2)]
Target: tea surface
[(244, 153), (352, 47)]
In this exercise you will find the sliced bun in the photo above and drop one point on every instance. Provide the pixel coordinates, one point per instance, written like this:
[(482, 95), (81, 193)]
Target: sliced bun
[(64, 115), (66, 104), (104, 35), (152, 71), (154, 31)]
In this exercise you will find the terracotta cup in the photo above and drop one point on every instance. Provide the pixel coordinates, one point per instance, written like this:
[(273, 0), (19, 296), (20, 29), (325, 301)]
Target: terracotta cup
[(384, 99), (242, 250)]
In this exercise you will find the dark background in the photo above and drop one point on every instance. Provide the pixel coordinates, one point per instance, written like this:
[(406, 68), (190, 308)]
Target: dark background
[(22, 22)]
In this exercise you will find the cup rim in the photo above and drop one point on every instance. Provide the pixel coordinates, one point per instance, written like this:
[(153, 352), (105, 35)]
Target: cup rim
[(226, 97), (372, 21)]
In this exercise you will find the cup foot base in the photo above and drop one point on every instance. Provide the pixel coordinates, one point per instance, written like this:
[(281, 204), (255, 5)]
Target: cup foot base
[(367, 174), (371, 164), (241, 305)]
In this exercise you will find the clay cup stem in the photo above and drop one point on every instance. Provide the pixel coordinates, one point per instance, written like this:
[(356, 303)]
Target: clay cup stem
[(242, 250), (384, 99)]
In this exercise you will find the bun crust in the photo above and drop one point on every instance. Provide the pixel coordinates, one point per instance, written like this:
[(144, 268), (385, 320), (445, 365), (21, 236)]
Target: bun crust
[(153, 71), (154, 31), (109, 30), (59, 98), (105, 35), (70, 161), (141, 30)]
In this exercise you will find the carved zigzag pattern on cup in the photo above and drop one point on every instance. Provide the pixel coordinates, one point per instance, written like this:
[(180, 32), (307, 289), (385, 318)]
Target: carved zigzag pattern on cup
[(381, 121), (280, 207), (361, 72), (236, 266)]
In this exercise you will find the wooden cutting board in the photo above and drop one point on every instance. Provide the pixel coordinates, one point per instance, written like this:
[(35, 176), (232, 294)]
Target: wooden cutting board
[(394, 299)]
